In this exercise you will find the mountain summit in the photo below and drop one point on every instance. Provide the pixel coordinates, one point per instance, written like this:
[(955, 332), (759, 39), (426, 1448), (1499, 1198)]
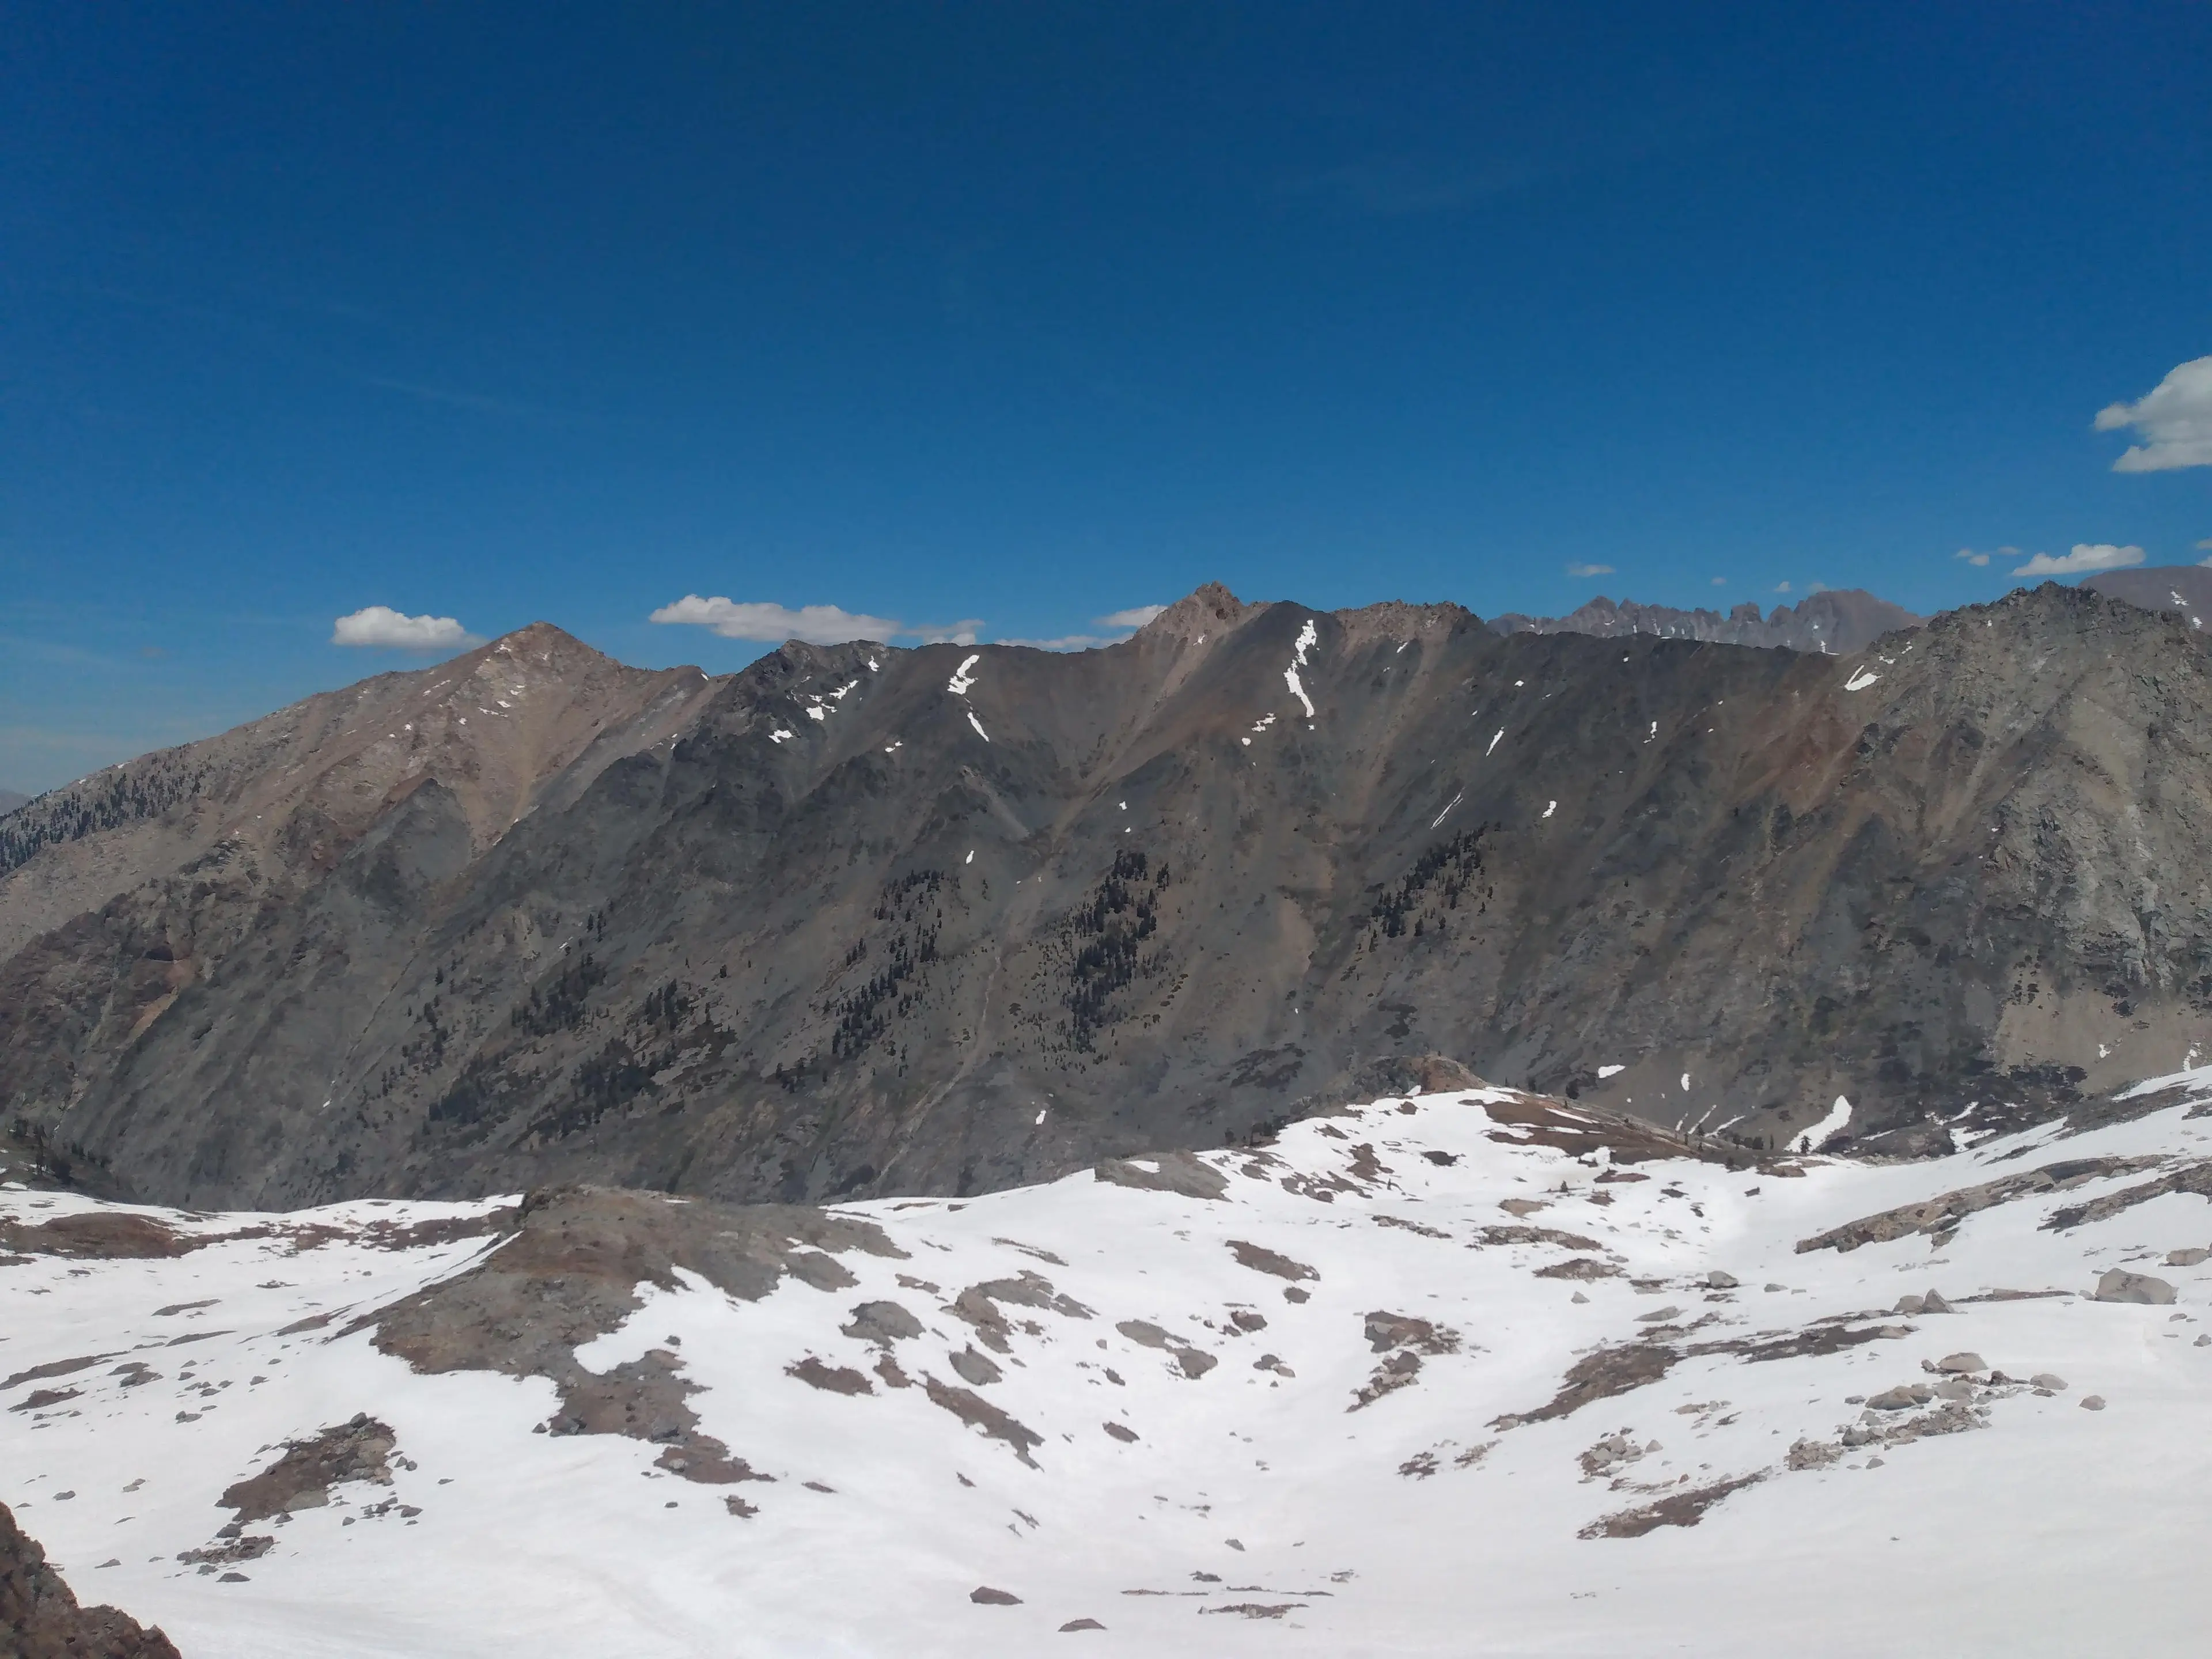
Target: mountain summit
[(860, 919)]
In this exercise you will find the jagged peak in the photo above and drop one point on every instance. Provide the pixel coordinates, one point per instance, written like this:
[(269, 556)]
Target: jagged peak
[(545, 642), (1208, 609), (1401, 619)]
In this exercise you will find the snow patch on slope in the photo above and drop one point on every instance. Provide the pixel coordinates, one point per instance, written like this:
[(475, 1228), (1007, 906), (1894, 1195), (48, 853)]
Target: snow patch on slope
[(1418, 1360)]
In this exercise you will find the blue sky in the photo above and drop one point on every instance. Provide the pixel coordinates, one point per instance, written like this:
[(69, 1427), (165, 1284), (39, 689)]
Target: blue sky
[(1013, 316)]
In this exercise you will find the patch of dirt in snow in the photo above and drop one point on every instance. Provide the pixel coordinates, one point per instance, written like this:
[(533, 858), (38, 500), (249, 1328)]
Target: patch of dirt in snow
[(1261, 1259), (1944, 1212), (1412, 1338), (1542, 1121), (101, 1236), (1681, 1508), (301, 1478), (1184, 1173), (569, 1274), (832, 1379), (1600, 1375), (1581, 1267), (2196, 1178), (978, 1413), (978, 1305)]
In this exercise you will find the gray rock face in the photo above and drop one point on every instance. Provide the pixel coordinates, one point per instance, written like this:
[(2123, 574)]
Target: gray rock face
[(2118, 1285), (831, 926), (39, 1618)]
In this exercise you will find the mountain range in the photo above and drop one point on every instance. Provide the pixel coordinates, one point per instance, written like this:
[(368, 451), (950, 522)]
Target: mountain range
[(1833, 621), (859, 920)]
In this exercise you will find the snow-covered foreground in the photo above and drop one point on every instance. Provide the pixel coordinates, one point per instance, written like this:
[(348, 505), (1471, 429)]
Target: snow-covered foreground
[(1282, 1420)]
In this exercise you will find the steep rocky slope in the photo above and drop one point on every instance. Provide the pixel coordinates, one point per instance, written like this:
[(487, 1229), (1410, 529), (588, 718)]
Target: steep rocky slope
[(944, 920), (1835, 621), (39, 1618)]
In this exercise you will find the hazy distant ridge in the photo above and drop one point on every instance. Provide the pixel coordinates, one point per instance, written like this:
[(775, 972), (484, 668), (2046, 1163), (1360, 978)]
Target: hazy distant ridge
[(1836, 621)]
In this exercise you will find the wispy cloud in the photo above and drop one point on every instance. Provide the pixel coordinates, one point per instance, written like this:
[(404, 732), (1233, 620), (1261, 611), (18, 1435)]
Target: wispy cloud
[(1579, 570), (964, 632), (1068, 642), (830, 624), (380, 626), (1782, 587), (754, 619), (1978, 559), (2174, 422), (1122, 622), (2086, 557)]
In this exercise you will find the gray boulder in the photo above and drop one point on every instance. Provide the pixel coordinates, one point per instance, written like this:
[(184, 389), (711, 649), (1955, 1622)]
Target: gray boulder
[(2188, 1258), (1956, 1362), (2118, 1285), (2092, 1402), (2046, 1380), (1902, 1398)]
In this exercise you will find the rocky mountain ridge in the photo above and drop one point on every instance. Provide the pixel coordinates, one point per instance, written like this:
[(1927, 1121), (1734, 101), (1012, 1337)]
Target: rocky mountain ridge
[(1834, 620), (859, 919)]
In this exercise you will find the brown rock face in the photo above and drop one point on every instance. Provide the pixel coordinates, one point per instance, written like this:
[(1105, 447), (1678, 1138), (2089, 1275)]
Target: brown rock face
[(860, 920), (39, 1618)]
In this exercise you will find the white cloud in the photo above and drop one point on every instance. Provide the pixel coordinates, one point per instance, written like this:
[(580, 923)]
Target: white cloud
[(818, 624), (2085, 557), (1782, 587), (1124, 621), (1720, 581), (1974, 558), (1069, 641), (1589, 570), (2174, 422), (380, 625), (964, 632)]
